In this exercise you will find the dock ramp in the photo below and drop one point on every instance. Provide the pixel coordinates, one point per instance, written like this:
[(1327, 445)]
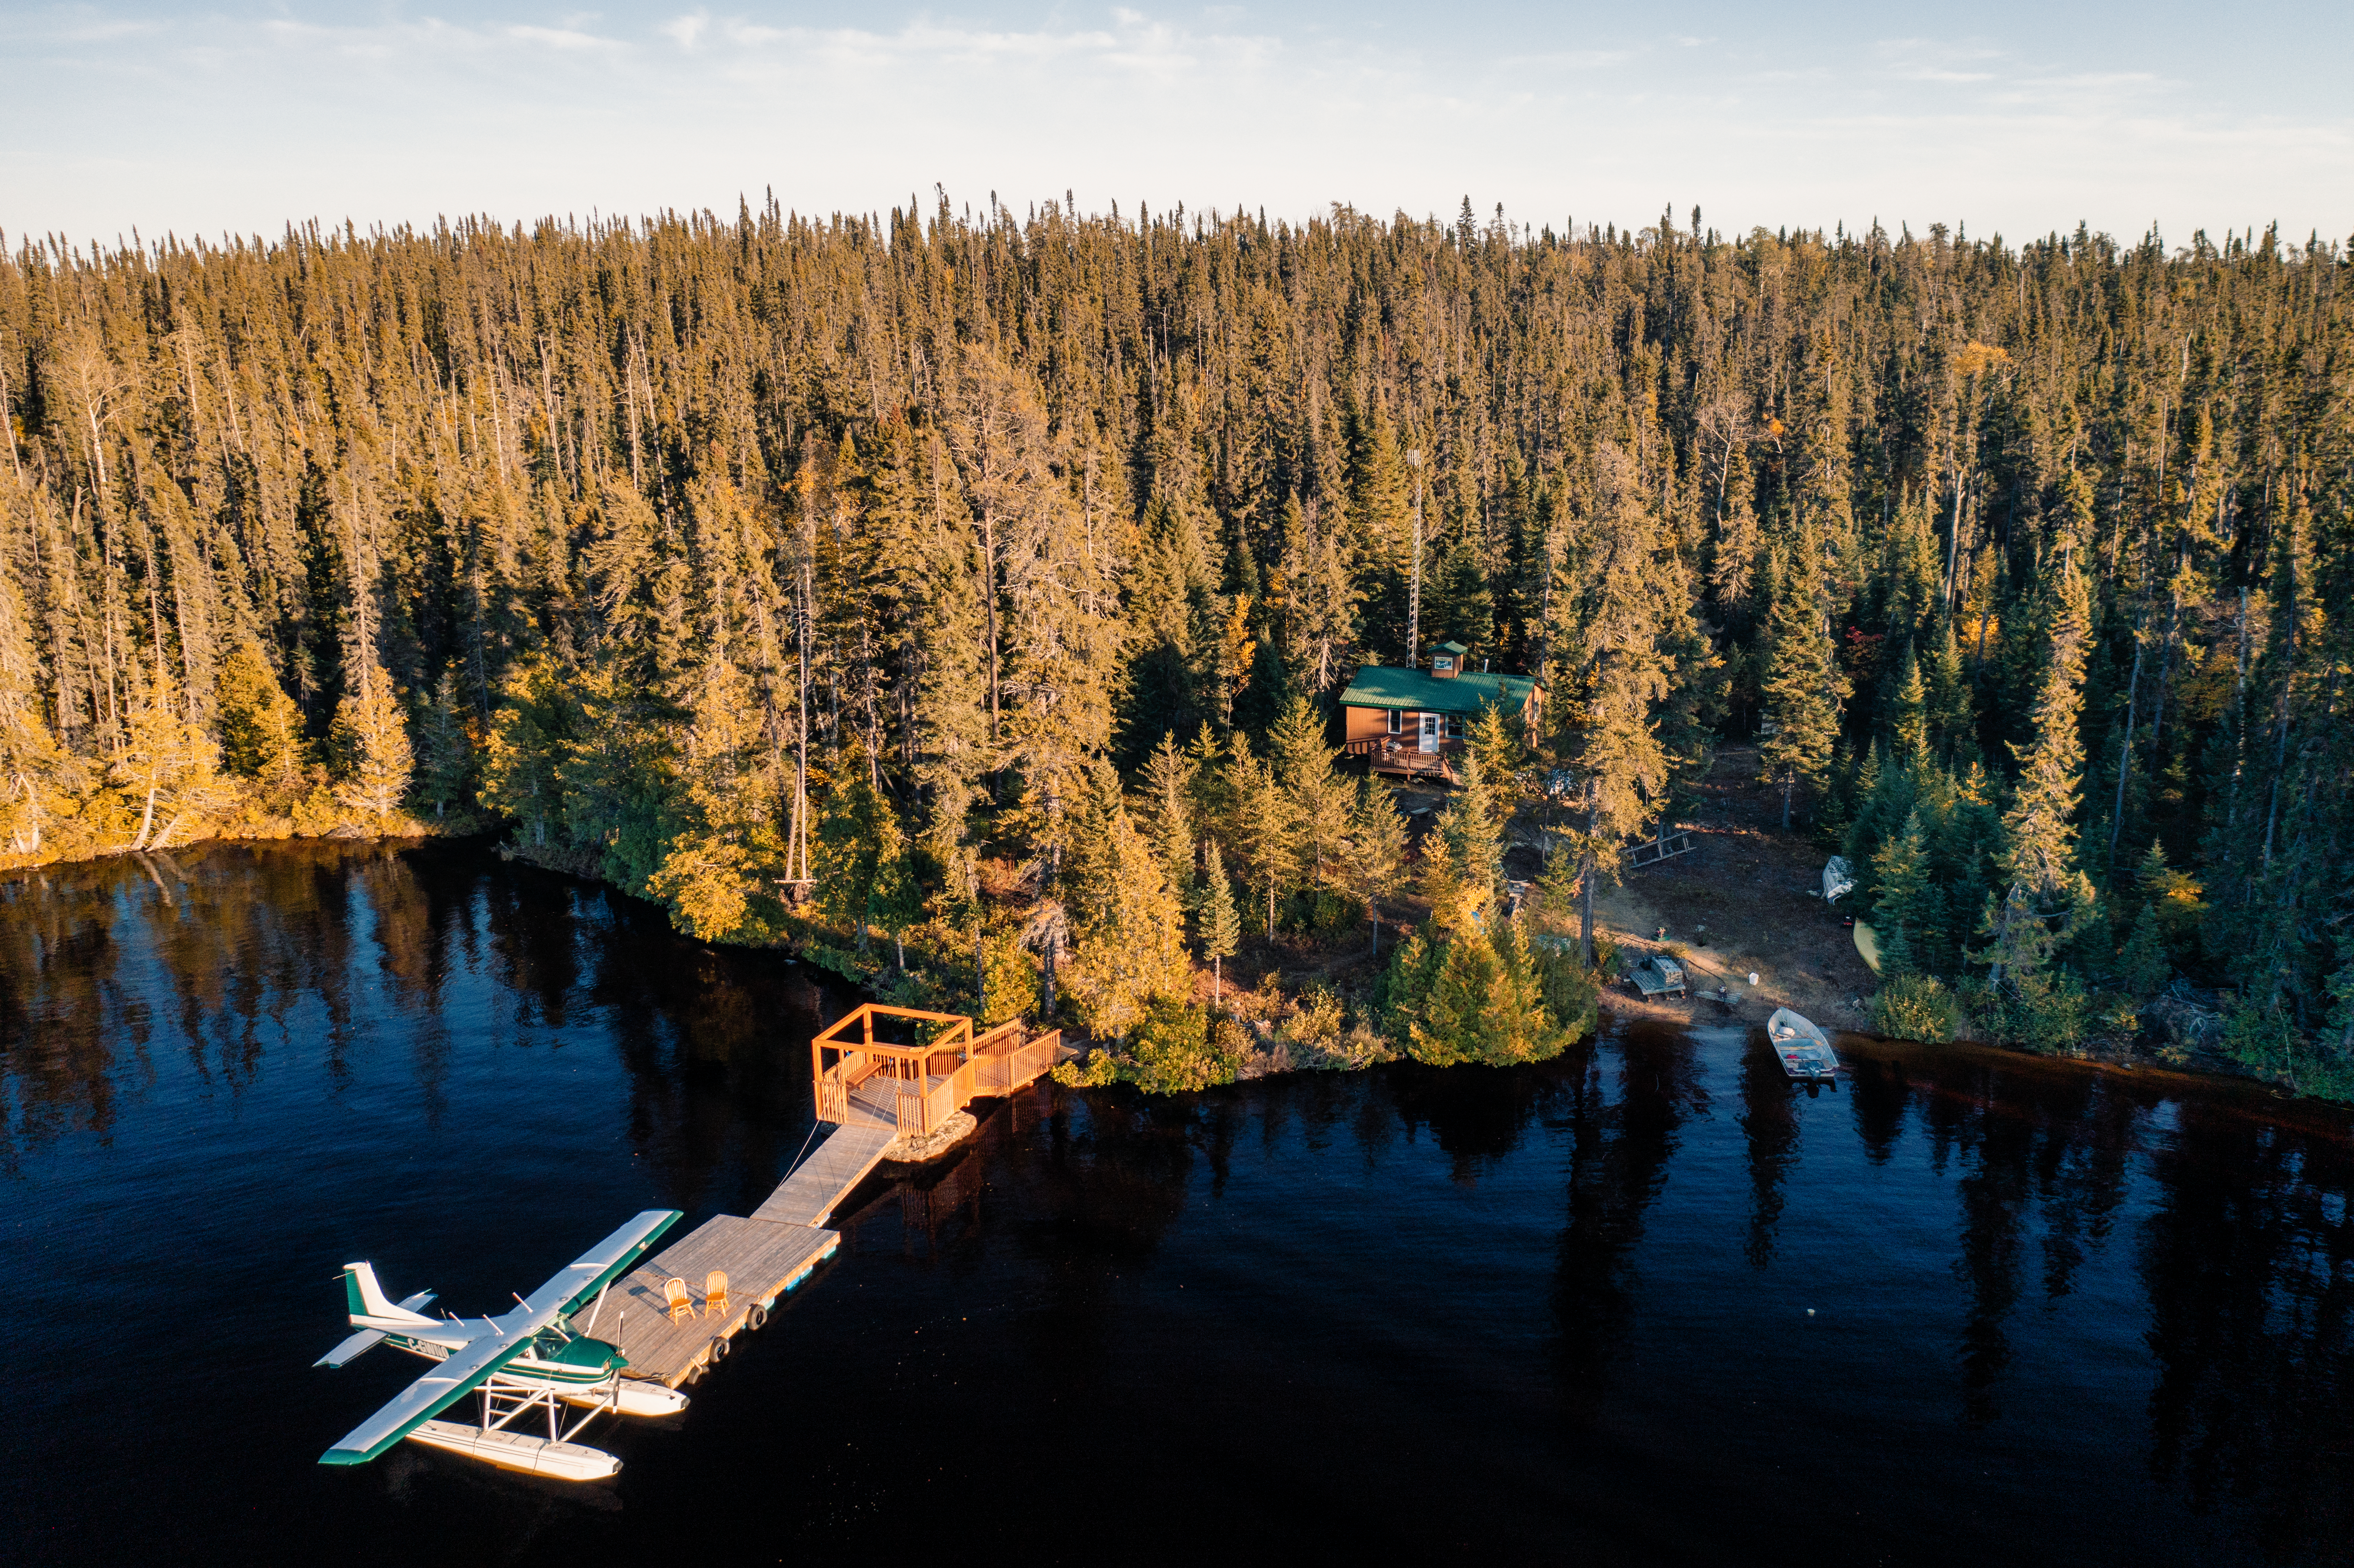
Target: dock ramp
[(808, 1196)]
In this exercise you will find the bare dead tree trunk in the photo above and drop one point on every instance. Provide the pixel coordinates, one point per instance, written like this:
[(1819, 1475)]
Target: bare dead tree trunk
[(2125, 753)]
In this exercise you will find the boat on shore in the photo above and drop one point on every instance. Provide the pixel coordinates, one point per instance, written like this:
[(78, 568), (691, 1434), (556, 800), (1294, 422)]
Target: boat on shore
[(1805, 1050)]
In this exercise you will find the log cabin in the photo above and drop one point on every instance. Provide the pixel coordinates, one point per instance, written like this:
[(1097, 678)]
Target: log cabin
[(1409, 722)]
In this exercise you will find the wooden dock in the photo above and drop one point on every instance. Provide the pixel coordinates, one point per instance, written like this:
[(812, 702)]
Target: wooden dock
[(763, 1261), (785, 1238)]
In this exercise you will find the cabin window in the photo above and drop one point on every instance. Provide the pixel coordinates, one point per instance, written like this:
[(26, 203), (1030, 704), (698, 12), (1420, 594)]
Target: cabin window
[(1455, 729), (1398, 725), (1444, 662)]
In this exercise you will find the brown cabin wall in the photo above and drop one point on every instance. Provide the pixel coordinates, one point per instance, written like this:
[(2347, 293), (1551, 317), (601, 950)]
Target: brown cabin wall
[(1374, 723)]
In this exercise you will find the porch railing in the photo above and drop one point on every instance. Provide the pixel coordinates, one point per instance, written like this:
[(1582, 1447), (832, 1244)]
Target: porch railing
[(899, 1080)]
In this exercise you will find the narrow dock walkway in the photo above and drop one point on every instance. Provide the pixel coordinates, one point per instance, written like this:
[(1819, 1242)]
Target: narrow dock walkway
[(808, 1196)]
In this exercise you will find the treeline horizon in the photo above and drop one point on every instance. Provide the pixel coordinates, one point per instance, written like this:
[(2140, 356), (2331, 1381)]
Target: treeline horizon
[(704, 549)]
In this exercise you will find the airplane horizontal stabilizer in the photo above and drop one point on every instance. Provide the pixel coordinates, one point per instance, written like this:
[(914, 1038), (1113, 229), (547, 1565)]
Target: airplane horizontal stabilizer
[(351, 1350)]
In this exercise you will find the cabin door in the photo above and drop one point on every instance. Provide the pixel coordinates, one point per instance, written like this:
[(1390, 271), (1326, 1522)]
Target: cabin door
[(1429, 732)]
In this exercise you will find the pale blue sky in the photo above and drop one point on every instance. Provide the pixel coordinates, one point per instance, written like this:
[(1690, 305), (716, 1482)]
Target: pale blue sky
[(2006, 116)]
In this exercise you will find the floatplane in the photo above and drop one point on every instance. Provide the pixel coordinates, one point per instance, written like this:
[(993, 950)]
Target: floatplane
[(534, 1359)]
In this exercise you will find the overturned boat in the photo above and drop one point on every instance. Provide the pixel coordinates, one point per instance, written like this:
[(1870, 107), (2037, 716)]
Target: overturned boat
[(1805, 1050)]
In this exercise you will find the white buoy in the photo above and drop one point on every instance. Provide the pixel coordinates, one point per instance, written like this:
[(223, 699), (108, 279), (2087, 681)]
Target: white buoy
[(1810, 1311)]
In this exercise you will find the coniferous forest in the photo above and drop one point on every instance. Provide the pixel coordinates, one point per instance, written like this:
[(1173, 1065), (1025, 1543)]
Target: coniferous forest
[(963, 597)]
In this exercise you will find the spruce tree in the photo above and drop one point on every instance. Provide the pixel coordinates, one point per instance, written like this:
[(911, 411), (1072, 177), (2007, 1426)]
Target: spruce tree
[(1948, 693), (1221, 926), (530, 740), (372, 736), (1909, 712), (1128, 936), (1906, 900), (2143, 967), (32, 764), (260, 727), (1610, 677), (2038, 859), (1169, 788), (167, 764), (446, 756), (1320, 800), (1263, 825), (1377, 846), (1804, 688), (1463, 863), (858, 837)]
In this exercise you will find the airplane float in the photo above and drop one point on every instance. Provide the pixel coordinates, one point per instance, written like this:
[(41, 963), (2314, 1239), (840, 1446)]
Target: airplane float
[(534, 1358)]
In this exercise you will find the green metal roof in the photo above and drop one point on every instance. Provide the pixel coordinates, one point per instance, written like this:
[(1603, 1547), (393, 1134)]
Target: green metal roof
[(1386, 686), (1455, 648)]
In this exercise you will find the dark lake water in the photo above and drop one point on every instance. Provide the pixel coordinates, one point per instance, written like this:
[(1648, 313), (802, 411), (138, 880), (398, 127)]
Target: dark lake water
[(2058, 1314)]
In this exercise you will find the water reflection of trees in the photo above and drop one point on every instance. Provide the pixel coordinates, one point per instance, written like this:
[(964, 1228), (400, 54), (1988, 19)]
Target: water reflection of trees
[(2039, 1149), (59, 960), (2246, 1261), (1620, 1150), (716, 1042), (1770, 1125), (2249, 1265), (221, 955), (208, 951), (1478, 1115)]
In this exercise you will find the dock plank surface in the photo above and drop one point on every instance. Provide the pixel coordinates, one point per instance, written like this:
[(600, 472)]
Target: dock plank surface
[(808, 1196), (761, 1259)]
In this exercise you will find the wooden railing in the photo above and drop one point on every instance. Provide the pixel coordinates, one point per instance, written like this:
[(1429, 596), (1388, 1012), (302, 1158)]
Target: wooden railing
[(1400, 754), (900, 1080)]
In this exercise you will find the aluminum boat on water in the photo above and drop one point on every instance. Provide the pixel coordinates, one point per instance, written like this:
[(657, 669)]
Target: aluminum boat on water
[(1805, 1050)]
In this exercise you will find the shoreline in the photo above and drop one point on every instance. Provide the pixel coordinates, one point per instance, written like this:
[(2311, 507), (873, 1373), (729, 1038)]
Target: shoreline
[(414, 830), (1811, 996)]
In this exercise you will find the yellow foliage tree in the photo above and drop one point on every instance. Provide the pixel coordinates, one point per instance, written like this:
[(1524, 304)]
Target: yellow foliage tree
[(1129, 942), (168, 763), (372, 736), (260, 727)]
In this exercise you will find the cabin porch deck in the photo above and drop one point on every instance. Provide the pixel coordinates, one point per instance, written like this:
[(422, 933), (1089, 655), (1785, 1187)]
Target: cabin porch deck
[(1402, 758)]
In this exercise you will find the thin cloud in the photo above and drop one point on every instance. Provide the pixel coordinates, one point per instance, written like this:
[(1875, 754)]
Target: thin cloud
[(184, 123)]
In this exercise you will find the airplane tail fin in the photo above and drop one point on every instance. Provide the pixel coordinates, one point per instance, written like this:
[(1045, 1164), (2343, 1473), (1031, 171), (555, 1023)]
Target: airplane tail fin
[(366, 1297)]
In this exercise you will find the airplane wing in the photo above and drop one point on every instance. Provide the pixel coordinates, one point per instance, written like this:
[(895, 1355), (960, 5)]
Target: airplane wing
[(580, 1279), (468, 1369), (464, 1372)]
